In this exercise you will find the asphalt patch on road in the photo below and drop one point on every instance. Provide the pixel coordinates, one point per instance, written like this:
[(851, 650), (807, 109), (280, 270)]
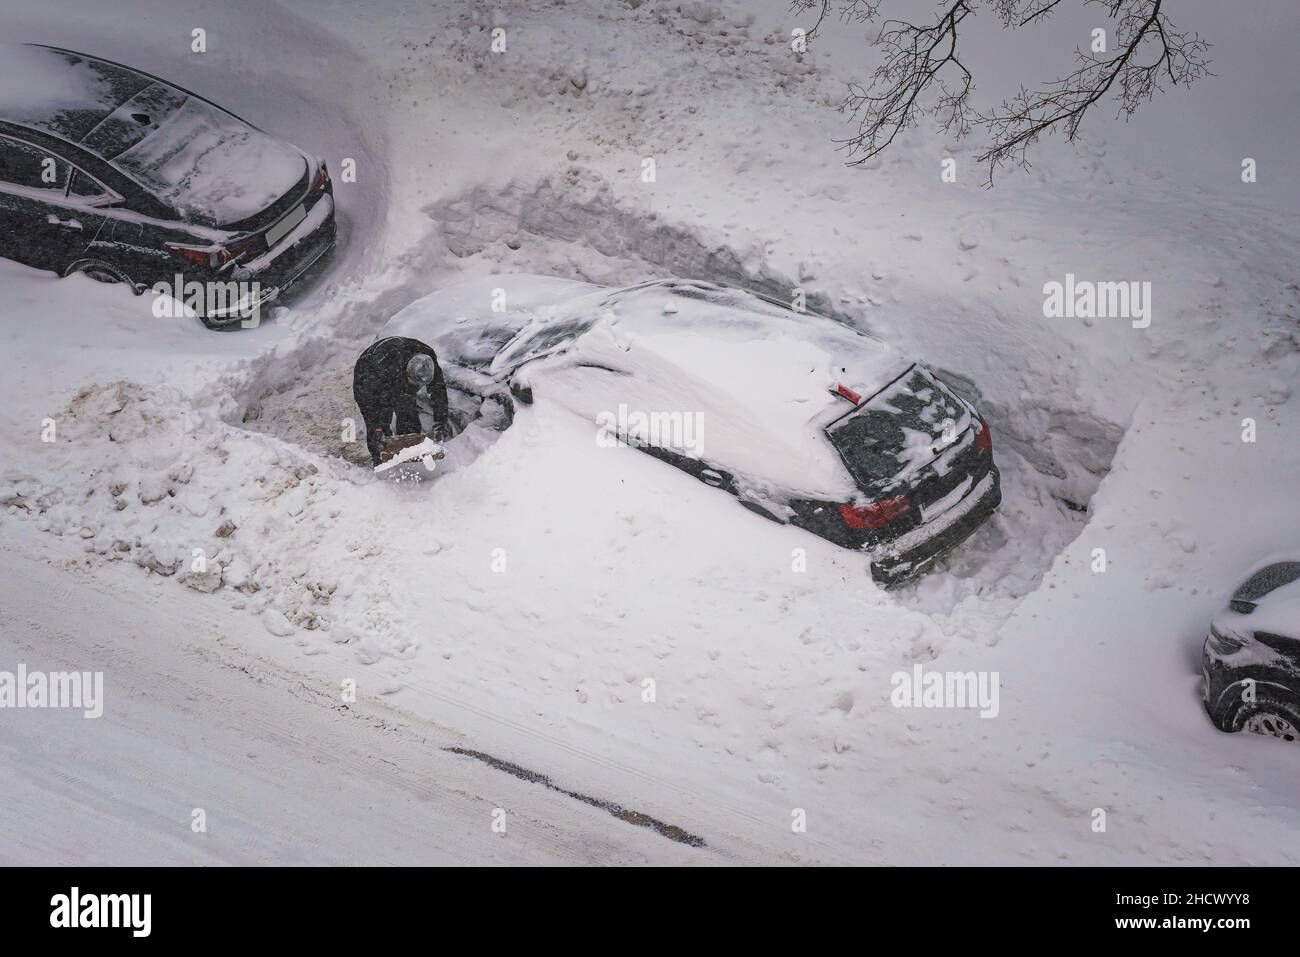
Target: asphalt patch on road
[(670, 831)]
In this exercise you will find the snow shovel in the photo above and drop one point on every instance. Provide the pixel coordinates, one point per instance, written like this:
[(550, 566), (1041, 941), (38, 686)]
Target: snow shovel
[(401, 449)]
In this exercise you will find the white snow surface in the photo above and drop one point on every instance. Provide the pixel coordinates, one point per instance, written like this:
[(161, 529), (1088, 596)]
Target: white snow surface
[(522, 599)]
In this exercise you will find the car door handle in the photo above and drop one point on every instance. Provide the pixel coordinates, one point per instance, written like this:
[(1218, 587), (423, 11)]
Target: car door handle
[(65, 223)]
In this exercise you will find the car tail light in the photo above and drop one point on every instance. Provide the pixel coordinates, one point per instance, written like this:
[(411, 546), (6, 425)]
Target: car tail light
[(876, 514), (213, 257), (847, 393), (322, 179), (984, 441), (202, 255)]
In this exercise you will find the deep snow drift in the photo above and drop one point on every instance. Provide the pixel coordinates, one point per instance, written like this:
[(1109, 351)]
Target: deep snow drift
[(527, 593)]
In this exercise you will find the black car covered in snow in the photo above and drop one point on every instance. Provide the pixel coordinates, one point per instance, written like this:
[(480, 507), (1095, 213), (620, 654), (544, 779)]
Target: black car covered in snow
[(1251, 658), (804, 420), (109, 171)]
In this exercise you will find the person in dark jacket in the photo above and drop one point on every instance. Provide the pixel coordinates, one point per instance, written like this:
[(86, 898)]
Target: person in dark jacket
[(391, 381)]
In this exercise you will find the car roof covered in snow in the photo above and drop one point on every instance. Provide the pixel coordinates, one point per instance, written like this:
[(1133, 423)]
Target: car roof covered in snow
[(62, 93), (757, 378), (202, 160)]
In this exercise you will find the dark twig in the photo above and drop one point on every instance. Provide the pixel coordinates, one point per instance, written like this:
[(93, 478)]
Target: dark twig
[(922, 74)]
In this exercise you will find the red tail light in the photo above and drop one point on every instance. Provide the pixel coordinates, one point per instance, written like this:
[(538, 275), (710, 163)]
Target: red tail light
[(984, 441), (876, 514), (322, 179), (203, 255), (214, 257), (846, 392)]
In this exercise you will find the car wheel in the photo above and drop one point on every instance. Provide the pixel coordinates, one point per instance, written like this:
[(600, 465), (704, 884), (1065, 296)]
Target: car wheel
[(1269, 714), (103, 272), (220, 325)]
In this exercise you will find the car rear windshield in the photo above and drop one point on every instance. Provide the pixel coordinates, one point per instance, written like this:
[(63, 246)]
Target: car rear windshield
[(900, 430), (210, 165), (1267, 579)]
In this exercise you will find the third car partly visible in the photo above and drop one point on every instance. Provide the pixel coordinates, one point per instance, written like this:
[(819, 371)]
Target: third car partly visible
[(1251, 659)]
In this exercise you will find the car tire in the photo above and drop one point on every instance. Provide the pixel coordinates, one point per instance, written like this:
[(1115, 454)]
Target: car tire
[(220, 325), (105, 273), (1270, 713)]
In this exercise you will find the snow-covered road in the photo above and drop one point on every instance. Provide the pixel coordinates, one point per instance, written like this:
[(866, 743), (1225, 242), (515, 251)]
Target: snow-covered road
[(282, 771)]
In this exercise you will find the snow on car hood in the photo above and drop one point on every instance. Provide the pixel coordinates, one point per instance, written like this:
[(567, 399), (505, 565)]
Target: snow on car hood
[(211, 165), (754, 377)]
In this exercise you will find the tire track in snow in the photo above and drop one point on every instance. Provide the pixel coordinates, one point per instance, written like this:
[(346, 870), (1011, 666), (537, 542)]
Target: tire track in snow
[(670, 831)]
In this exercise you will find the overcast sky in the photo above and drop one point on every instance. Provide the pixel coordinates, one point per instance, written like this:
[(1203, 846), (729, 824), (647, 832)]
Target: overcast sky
[(1201, 134)]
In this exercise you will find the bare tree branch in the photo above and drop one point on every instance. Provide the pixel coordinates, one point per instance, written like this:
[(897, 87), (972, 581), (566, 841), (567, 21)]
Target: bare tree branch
[(861, 11), (922, 74), (914, 58), (1014, 13), (1141, 30)]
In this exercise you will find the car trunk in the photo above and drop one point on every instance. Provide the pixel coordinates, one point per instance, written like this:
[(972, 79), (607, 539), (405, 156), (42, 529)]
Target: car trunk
[(916, 438), (209, 165)]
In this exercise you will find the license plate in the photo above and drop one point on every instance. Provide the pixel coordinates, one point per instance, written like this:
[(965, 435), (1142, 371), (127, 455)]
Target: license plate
[(285, 226), (935, 509)]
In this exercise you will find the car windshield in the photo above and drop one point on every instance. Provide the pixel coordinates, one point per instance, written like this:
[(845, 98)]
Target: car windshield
[(544, 335), (899, 430), (210, 165)]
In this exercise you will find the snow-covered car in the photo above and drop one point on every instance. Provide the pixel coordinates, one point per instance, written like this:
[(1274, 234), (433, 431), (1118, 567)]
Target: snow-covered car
[(806, 421), (1251, 659), (112, 172)]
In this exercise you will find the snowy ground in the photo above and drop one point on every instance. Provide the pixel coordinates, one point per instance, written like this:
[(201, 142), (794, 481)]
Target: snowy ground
[(772, 686)]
